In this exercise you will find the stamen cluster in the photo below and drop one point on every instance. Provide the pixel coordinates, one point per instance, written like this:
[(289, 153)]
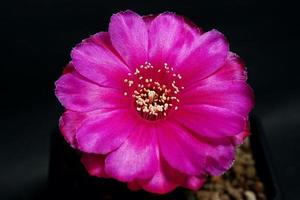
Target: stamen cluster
[(154, 90)]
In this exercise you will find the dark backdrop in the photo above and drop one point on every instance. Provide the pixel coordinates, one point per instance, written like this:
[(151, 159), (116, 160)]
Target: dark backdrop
[(36, 39)]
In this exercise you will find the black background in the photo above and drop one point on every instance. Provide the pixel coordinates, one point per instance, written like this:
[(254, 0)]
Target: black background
[(36, 39)]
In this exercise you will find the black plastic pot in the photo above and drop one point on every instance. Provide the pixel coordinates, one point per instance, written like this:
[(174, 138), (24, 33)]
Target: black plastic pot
[(68, 178), (263, 161)]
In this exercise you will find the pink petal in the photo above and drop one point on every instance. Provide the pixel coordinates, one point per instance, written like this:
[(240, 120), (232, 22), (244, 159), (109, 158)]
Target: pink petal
[(94, 164), (239, 138), (70, 121), (148, 20), (68, 124), (164, 180), (103, 133), (209, 121), (235, 96), (194, 182), (167, 179), (220, 159), (193, 155), (170, 39), (69, 68), (129, 37), (136, 157), (181, 150), (96, 60), (205, 57), (79, 94), (233, 69)]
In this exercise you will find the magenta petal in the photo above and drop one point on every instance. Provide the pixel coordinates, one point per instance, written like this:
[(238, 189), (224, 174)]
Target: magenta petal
[(136, 157), (170, 39), (70, 121), (193, 155), (96, 60), (79, 94), (129, 36), (181, 150), (148, 20), (194, 182), (220, 159), (210, 121), (164, 180), (68, 124), (103, 133), (239, 138), (69, 68), (94, 164), (205, 57), (232, 70), (220, 155), (159, 184), (167, 179), (235, 96)]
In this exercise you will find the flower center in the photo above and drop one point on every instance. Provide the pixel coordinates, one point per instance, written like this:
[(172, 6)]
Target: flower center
[(154, 90)]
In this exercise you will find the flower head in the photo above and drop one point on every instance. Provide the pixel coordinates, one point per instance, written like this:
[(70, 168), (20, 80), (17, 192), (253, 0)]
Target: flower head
[(155, 102)]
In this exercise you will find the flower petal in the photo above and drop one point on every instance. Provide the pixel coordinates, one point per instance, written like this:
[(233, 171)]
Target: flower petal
[(232, 70), (70, 121), (136, 157), (170, 39), (205, 57), (210, 121), (68, 124), (220, 159), (235, 96), (181, 150), (79, 94), (94, 164), (69, 68), (194, 182), (167, 179), (194, 155), (239, 138), (103, 133), (164, 180), (95, 59), (129, 37), (148, 20)]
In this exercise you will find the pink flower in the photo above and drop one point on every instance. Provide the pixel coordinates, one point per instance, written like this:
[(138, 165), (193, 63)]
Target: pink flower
[(155, 102)]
